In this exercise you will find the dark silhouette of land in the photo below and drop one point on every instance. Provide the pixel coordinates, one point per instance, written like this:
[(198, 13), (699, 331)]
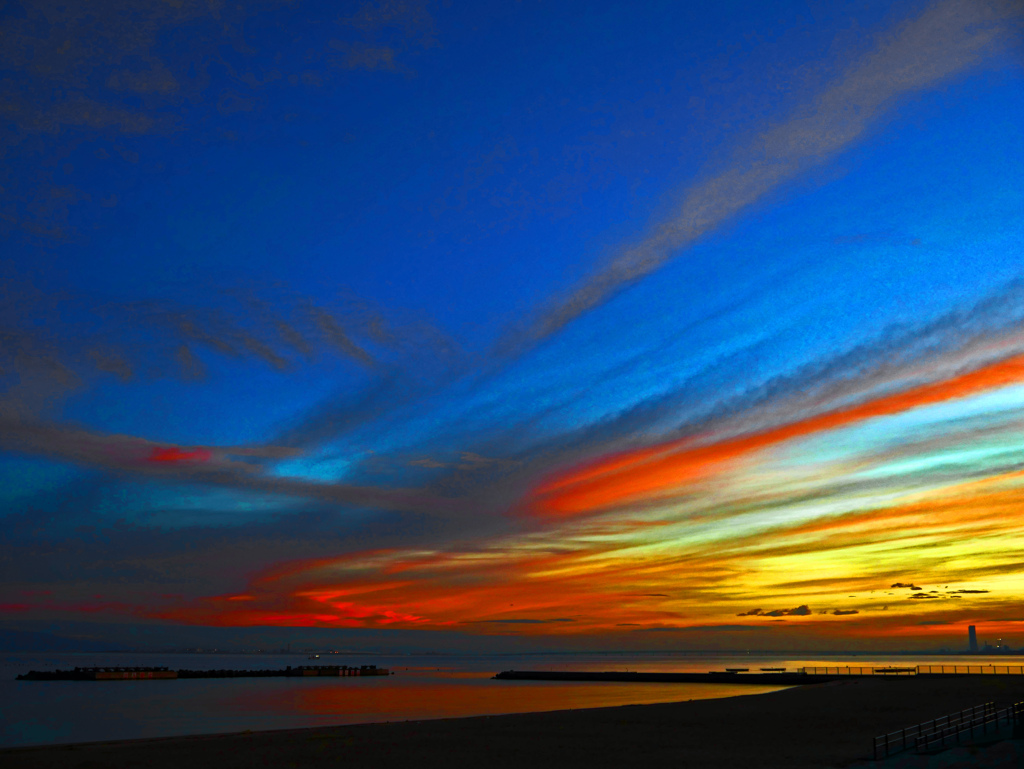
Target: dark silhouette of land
[(158, 673), (827, 725)]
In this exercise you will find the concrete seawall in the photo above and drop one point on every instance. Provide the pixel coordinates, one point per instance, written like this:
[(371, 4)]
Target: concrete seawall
[(760, 679)]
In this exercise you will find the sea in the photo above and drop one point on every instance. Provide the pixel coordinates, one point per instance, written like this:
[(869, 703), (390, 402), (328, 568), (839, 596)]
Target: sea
[(421, 687)]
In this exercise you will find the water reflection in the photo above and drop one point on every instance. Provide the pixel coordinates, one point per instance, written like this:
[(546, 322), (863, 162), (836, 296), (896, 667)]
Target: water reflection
[(40, 712), (470, 695)]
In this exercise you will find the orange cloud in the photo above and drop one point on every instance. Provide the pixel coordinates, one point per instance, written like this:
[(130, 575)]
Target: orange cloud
[(652, 472), (598, 577)]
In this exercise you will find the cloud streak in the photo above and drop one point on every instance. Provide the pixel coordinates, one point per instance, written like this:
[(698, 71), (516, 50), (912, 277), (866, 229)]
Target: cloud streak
[(240, 468), (701, 468), (946, 39), (652, 471)]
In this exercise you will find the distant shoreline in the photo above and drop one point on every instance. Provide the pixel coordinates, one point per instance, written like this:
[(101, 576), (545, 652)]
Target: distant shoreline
[(798, 653), (818, 726)]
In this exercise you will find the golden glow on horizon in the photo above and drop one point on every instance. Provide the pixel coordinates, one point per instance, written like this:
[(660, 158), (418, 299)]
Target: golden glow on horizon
[(740, 538), (961, 539)]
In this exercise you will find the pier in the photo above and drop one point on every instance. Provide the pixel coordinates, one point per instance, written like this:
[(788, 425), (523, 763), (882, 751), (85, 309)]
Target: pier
[(716, 677), (151, 673), (768, 676)]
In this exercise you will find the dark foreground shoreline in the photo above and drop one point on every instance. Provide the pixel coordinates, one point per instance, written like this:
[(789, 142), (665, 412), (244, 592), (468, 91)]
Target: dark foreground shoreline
[(827, 725)]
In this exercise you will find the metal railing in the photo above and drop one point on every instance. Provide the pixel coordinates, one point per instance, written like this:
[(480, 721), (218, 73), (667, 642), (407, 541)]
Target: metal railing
[(949, 670), (850, 671), (1003, 670), (895, 742), (935, 734), (936, 740)]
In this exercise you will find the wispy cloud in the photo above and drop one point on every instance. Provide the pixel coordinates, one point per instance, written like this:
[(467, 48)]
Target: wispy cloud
[(673, 514), (654, 471), (943, 41)]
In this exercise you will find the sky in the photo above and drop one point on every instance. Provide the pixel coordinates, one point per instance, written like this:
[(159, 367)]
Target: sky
[(409, 325)]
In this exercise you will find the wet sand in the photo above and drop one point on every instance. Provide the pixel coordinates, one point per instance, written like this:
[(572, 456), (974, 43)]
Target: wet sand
[(824, 725)]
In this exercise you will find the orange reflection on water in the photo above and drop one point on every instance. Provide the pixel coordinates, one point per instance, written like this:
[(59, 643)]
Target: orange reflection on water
[(353, 701)]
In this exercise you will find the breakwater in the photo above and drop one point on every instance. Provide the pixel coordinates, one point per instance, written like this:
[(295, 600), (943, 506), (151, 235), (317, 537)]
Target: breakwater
[(158, 673), (761, 679), (768, 676)]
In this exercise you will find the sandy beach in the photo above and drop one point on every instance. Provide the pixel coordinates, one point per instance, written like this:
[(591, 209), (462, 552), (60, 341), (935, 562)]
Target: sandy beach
[(826, 725)]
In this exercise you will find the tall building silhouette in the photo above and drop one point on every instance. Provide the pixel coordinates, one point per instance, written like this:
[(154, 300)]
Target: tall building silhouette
[(972, 638)]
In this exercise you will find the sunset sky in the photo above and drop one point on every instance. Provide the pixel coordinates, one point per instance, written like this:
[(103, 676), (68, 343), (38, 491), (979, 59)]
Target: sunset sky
[(513, 325)]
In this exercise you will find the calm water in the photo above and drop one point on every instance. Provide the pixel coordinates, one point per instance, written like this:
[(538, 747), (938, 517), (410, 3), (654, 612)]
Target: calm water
[(46, 712)]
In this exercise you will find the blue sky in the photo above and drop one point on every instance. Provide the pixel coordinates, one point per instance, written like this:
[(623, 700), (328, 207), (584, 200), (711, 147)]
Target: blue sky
[(374, 273)]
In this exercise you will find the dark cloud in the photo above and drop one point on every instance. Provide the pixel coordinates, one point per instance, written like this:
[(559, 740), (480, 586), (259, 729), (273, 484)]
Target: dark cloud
[(410, 17), (363, 56), (336, 416), (62, 343), (842, 612), (800, 611), (518, 621), (467, 461), (905, 584), (337, 337), (77, 74), (702, 628), (73, 540), (215, 465), (387, 30), (120, 48), (968, 591)]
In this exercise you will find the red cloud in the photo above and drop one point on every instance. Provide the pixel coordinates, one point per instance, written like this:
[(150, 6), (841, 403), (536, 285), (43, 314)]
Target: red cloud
[(175, 454)]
